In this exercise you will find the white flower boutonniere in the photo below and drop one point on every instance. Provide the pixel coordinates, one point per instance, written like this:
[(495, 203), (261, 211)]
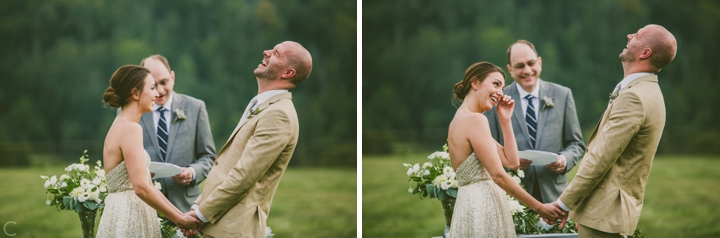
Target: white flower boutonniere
[(547, 103), (179, 115)]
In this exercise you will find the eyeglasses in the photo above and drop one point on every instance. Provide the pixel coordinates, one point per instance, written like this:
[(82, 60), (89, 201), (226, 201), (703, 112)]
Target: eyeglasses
[(530, 63)]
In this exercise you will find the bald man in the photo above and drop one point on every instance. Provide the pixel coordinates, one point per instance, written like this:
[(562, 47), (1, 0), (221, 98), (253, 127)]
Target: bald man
[(239, 190), (606, 195)]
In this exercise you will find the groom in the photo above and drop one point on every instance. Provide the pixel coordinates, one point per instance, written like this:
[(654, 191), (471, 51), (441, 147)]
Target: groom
[(240, 187), (607, 192)]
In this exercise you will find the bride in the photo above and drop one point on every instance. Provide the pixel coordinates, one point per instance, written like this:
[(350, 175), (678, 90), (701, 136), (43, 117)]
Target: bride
[(130, 207), (481, 208)]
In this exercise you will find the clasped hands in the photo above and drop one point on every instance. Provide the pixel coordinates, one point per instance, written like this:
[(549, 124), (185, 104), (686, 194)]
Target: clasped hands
[(192, 231), (554, 212)]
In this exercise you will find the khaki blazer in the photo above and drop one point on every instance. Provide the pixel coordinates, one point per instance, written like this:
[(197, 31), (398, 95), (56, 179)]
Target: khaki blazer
[(608, 189), (239, 190)]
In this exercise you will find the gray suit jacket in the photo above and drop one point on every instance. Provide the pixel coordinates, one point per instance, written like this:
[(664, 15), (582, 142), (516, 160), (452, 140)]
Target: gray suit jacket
[(558, 131), (190, 144)]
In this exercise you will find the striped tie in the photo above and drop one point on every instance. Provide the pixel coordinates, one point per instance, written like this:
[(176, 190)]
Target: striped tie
[(162, 134), (531, 120)]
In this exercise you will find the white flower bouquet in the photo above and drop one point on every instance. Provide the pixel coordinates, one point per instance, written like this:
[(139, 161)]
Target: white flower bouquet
[(79, 189), (435, 178)]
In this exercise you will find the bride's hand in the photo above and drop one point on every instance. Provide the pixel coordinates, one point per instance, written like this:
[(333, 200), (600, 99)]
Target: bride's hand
[(550, 212), (188, 222), (505, 107)]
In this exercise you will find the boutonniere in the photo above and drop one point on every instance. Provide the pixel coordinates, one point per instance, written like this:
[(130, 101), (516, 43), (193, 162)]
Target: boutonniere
[(253, 112), (179, 115), (547, 103), (613, 96)]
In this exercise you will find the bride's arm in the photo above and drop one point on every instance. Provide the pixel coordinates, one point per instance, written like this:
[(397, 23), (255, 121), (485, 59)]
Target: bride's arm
[(485, 148), (508, 153), (133, 153)]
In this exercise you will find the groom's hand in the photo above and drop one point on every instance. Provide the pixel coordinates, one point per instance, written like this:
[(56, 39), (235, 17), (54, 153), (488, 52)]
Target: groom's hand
[(563, 219)]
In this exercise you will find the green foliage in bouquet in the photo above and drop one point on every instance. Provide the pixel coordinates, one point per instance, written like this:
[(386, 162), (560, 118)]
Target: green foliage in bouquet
[(166, 229), (79, 189), (435, 178)]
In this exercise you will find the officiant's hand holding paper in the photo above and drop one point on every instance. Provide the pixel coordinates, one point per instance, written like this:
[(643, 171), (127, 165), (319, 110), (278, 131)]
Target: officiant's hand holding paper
[(557, 166), (164, 170), (524, 163)]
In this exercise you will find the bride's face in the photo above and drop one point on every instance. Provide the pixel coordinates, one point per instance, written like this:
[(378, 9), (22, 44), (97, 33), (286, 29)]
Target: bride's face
[(148, 95), (489, 91)]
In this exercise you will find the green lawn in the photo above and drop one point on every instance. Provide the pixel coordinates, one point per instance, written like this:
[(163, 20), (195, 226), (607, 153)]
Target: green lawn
[(310, 202), (681, 199)]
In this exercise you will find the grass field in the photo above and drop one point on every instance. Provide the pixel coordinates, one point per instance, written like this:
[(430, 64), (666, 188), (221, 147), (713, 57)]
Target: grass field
[(310, 202), (682, 199)]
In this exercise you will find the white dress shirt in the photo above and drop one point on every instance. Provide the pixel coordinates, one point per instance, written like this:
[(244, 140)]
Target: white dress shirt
[(168, 114), (536, 103)]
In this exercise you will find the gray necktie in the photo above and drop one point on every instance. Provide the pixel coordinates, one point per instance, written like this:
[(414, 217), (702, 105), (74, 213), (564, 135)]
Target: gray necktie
[(531, 120), (162, 134)]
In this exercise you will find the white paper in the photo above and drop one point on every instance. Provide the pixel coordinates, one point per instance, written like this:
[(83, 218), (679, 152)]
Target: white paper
[(164, 170), (538, 157)]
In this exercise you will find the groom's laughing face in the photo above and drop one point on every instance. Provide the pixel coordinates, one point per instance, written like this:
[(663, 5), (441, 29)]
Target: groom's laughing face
[(273, 62)]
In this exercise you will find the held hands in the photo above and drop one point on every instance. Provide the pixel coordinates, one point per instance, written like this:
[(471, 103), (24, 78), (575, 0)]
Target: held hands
[(505, 108), (191, 232), (184, 178), (549, 212), (556, 167), (188, 222), (563, 219)]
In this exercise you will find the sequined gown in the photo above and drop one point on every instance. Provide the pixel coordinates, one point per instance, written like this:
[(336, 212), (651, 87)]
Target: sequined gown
[(125, 214), (481, 208)]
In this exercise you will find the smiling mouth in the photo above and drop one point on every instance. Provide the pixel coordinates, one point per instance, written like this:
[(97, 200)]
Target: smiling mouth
[(494, 99), (263, 63)]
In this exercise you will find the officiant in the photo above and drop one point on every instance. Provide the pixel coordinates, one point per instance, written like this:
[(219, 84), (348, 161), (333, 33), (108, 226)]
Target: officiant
[(545, 119), (177, 131)]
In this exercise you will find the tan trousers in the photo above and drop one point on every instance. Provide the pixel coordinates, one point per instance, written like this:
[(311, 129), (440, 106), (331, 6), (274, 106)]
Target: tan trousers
[(587, 232)]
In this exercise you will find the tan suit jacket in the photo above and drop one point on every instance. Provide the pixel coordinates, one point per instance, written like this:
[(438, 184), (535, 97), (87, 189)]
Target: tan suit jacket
[(608, 189), (239, 190)]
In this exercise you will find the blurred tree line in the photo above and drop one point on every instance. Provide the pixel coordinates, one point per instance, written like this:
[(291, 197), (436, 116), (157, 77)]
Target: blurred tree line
[(414, 51), (57, 56)]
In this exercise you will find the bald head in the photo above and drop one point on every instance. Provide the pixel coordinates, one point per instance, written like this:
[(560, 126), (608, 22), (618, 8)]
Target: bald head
[(662, 43), (299, 59)]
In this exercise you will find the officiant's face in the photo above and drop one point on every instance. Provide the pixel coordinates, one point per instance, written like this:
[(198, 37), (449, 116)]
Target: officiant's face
[(164, 78), (525, 66)]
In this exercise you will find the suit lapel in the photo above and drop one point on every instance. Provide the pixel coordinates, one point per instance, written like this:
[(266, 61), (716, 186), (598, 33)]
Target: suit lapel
[(262, 108), (147, 121), (542, 113), (520, 118), (177, 104)]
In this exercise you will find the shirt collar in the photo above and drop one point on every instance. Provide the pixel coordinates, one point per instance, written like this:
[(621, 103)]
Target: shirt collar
[(535, 92), (264, 96), (627, 80), (168, 104)]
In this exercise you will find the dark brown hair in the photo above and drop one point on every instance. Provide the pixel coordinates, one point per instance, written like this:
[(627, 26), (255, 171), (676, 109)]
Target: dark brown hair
[(478, 71), (122, 83), (520, 42)]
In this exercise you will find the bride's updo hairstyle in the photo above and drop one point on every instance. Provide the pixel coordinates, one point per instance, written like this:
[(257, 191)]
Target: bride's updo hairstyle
[(122, 83), (478, 71)]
